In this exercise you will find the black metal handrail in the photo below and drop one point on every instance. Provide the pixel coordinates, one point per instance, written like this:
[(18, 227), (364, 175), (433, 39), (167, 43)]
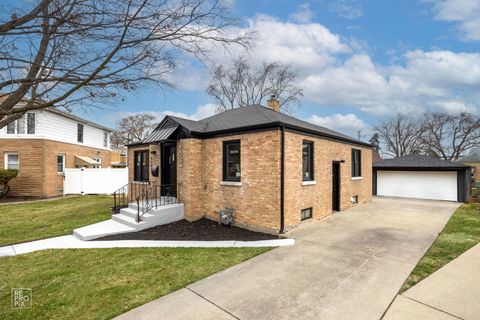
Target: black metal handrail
[(146, 195)]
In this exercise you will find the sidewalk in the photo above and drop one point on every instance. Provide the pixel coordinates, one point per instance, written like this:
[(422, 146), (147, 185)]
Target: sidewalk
[(72, 242), (452, 292)]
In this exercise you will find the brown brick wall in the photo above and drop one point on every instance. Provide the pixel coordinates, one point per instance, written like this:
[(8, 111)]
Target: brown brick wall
[(29, 181), (319, 196), (38, 164), (257, 201)]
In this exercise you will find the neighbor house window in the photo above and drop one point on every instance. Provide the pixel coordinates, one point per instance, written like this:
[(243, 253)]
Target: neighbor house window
[(31, 123), (11, 128), (80, 132), (231, 161), (105, 139), (25, 124), (356, 163), (12, 161), (60, 163), (306, 214), (21, 125), (307, 160), (140, 167)]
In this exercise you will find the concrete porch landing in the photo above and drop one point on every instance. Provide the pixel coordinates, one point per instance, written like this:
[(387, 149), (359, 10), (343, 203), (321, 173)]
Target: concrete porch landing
[(125, 221)]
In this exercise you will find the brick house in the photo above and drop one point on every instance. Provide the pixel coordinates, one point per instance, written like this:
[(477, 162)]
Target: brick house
[(43, 143), (274, 170)]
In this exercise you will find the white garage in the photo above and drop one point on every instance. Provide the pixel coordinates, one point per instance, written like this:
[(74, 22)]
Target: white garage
[(421, 177), (437, 185)]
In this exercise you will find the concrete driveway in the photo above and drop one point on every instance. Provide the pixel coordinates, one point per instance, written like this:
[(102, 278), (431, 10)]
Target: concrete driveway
[(347, 266)]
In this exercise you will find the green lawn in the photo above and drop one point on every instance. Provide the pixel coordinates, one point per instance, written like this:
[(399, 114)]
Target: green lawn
[(44, 219), (460, 234), (103, 283)]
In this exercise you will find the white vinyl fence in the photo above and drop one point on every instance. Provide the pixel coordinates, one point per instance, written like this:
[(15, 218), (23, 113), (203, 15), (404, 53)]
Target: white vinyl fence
[(94, 181)]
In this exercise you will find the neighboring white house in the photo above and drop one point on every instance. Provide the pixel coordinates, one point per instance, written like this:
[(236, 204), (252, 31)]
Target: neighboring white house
[(44, 142), (58, 126)]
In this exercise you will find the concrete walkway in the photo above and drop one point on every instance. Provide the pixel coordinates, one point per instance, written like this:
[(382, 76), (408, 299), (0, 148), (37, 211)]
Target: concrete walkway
[(347, 266), (72, 242), (453, 292)]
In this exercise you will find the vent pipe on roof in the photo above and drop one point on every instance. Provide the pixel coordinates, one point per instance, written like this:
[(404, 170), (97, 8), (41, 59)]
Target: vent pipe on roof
[(273, 103)]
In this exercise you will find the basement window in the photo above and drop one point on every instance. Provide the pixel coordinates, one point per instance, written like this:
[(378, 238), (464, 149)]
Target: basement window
[(306, 214), (354, 199)]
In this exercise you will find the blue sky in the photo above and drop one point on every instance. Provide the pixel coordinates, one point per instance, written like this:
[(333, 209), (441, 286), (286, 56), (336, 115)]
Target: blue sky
[(359, 61)]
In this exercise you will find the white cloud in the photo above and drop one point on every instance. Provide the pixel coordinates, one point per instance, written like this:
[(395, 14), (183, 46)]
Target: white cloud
[(348, 124), (303, 14), (464, 12), (338, 71), (348, 9), (300, 44)]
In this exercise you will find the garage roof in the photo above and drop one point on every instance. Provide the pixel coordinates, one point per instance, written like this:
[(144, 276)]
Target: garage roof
[(418, 161)]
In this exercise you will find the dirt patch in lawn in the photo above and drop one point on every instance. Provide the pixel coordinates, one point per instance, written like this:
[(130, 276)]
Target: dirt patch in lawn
[(200, 230)]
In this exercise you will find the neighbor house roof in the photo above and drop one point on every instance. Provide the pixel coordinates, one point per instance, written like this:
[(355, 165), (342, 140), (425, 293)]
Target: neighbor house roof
[(418, 161), (472, 157), (250, 118)]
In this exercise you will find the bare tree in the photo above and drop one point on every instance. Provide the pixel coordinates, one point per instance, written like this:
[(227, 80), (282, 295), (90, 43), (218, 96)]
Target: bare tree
[(86, 52), (375, 141), (400, 136), (449, 136), (133, 128), (243, 85)]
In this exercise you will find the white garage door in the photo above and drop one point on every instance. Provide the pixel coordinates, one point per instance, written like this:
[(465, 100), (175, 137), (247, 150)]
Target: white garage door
[(435, 185)]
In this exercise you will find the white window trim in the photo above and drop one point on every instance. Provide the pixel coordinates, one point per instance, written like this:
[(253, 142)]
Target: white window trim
[(231, 183), (56, 164), (357, 178), (5, 159), (309, 183)]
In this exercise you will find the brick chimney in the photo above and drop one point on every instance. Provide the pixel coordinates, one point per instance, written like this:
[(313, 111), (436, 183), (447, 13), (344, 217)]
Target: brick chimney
[(273, 103)]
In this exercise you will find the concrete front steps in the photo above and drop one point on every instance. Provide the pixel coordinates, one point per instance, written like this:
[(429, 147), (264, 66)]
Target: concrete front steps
[(125, 221)]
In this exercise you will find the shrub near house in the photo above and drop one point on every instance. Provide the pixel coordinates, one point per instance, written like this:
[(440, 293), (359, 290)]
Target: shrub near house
[(5, 176)]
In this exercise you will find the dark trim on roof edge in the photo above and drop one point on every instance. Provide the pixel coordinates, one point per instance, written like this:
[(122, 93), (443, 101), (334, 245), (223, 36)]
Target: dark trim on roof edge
[(277, 125)]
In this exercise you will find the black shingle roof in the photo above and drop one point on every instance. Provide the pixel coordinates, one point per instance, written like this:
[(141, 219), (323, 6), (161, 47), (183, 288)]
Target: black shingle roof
[(251, 117), (417, 161)]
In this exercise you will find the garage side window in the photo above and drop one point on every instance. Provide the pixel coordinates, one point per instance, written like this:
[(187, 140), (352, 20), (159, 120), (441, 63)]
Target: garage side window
[(356, 163), (231, 161)]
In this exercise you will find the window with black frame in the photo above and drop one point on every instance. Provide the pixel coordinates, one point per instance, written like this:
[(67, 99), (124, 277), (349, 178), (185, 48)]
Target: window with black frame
[(356, 163), (140, 166), (307, 160), (231, 161)]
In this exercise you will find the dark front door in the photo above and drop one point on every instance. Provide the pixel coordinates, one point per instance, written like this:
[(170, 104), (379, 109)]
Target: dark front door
[(336, 186), (169, 170)]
